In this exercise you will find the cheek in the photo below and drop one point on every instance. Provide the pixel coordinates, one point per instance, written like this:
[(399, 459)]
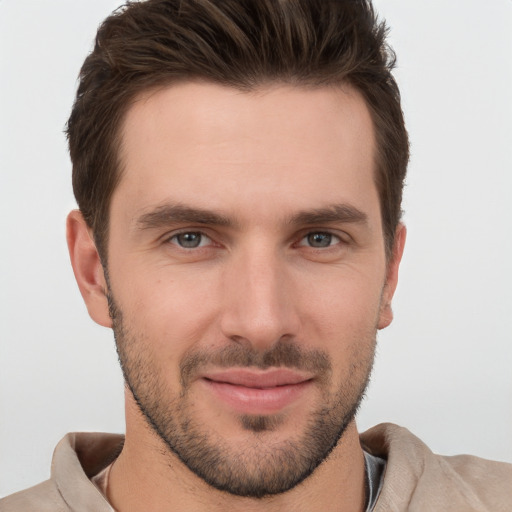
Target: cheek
[(346, 306), (172, 311), (343, 322)]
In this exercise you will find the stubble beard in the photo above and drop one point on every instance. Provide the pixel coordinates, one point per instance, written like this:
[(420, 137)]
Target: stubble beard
[(259, 468)]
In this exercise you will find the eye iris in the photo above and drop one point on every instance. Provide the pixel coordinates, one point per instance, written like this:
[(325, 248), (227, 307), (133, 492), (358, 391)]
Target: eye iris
[(189, 240), (319, 239)]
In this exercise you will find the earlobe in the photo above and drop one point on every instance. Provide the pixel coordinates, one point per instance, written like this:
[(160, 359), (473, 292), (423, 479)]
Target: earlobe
[(87, 268), (386, 312)]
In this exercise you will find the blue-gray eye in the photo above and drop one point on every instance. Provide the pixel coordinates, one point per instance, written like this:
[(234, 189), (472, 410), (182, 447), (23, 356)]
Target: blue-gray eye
[(190, 239), (319, 240)]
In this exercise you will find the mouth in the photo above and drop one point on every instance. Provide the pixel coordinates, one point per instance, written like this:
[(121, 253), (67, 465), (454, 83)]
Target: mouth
[(248, 391)]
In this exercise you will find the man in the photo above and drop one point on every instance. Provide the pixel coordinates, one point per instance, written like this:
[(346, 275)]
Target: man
[(238, 168)]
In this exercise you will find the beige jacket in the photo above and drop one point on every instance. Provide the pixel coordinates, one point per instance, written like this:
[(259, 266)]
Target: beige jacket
[(415, 479)]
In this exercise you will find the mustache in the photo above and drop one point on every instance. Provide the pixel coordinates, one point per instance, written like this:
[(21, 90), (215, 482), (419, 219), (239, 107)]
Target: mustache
[(283, 354)]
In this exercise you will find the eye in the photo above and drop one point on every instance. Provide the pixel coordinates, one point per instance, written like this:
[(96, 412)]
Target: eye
[(319, 240), (190, 239)]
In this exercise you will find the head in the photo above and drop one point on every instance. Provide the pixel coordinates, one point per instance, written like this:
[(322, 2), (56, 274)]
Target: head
[(240, 167), (244, 45)]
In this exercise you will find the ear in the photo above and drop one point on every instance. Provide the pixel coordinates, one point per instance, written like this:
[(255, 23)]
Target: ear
[(386, 313), (87, 268)]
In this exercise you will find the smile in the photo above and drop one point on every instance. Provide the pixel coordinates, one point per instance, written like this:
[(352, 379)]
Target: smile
[(257, 392)]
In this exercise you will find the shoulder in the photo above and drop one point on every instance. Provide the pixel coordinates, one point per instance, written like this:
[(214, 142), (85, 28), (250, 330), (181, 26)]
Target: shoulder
[(76, 458), (416, 479), (43, 497)]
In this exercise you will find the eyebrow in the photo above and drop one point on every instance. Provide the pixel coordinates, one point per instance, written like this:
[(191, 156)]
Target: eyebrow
[(177, 213), (343, 213)]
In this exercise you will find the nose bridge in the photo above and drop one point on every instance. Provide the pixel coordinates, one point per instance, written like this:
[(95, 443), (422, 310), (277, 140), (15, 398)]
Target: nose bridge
[(258, 309)]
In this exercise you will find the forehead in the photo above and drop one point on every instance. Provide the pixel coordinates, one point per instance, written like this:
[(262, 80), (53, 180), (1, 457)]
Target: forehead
[(217, 147)]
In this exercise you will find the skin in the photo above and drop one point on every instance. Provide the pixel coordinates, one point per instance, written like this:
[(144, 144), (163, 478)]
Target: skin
[(264, 161)]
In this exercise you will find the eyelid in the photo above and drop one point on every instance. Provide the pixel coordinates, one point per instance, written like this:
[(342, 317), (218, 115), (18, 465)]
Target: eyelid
[(168, 238), (303, 242), (341, 236)]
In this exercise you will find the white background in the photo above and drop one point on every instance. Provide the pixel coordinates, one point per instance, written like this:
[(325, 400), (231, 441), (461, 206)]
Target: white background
[(443, 368)]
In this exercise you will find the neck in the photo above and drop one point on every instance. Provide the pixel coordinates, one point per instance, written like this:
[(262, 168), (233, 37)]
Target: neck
[(148, 476)]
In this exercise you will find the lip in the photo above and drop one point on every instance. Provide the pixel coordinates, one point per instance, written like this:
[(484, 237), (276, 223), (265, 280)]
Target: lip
[(257, 392)]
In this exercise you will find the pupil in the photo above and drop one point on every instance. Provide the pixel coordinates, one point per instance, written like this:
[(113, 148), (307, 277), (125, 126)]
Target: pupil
[(319, 239), (189, 240)]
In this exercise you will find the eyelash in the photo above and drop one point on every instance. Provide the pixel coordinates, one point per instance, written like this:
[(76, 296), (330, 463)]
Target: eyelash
[(330, 235), (202, 235)]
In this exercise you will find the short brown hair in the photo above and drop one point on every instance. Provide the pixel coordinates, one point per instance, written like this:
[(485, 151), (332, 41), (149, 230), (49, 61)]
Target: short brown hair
[(237, 43)]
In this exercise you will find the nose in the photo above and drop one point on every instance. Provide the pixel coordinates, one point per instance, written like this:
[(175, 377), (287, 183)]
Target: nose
[(259, 306)]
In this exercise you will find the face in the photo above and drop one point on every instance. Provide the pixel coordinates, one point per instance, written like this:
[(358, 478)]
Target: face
[(247, 275)]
